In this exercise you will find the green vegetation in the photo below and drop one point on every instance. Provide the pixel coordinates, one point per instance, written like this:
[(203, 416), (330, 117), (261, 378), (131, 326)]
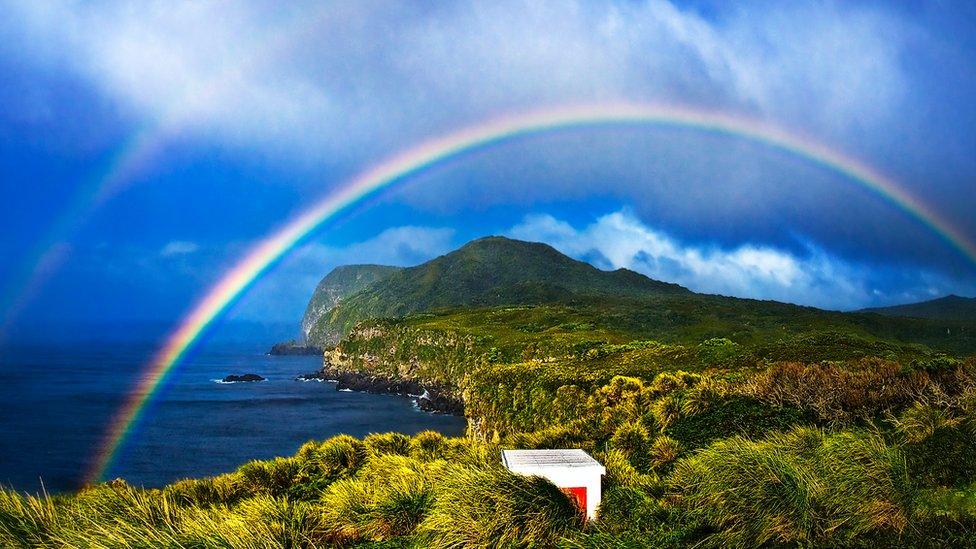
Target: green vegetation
[(719, 459), (721, 422), (488, 271)]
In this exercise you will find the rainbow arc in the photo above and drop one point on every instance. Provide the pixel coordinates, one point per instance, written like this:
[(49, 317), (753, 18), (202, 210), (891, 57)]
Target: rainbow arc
[(430, 153)]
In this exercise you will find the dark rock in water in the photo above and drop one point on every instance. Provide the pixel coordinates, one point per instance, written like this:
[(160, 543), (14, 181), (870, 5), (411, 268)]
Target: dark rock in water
[(294, 348), (233, 378)]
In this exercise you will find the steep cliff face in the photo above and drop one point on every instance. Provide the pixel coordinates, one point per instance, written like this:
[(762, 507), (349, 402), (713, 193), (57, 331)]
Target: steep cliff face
[(341, 282), (400, 352)]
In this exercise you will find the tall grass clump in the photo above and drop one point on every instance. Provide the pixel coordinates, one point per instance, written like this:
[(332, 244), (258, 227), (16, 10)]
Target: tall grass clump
[(28, 521), (494, 508), (388, 498), (207, 491), (381, 444), (274, 477), (635, 442), (800, 487), (322, 463)]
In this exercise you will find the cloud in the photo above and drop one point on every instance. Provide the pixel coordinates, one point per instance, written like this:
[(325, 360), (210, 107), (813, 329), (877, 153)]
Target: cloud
[(179, 247), (816, 278), (331, 79)]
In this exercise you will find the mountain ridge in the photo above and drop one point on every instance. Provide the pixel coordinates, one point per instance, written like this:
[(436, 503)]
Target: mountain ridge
[(493, 270), (949, 307)]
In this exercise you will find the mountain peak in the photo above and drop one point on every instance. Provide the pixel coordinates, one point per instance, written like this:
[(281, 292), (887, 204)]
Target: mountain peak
[(489, 271)]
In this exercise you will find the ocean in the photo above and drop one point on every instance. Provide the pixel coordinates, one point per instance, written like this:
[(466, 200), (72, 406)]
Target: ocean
[(56, 402)]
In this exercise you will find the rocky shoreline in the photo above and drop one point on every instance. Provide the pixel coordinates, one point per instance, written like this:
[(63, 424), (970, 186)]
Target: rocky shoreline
[(430, 397)]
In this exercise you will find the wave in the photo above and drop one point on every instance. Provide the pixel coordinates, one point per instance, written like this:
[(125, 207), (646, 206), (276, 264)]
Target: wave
[(316, 379)]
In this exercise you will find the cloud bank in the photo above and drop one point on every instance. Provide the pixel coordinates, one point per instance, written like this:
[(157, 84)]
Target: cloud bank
[(815, 278), (336, 77)]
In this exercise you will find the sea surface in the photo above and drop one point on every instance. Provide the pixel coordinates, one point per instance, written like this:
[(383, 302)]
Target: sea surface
[(56, 402)]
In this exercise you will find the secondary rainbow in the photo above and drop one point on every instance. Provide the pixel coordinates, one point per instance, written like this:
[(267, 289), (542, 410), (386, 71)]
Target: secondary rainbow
[(137, 155), (430, 153)]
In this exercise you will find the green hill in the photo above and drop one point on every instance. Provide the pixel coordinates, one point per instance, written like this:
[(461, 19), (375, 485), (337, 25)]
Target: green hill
[(339, 283), (950, 307), (485, 272)]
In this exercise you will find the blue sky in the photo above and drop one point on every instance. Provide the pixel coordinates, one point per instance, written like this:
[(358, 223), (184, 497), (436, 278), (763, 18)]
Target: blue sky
[(255, 111)]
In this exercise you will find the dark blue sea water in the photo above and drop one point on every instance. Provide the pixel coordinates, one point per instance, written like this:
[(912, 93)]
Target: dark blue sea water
[(55, 404)]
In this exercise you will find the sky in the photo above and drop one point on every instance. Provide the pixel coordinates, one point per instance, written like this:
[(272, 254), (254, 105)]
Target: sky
[(145, 147)]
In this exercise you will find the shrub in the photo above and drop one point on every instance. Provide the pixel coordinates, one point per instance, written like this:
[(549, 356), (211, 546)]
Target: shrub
[(494, 508), (634, 441), (943, 458), (666, 410), (664, 451), (863, 389), (574, 435), (800, 487), (380, 444)]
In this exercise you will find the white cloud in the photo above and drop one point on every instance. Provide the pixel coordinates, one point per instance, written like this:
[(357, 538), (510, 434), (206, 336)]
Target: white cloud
[(814, 278), (179, 247), (332, 78)]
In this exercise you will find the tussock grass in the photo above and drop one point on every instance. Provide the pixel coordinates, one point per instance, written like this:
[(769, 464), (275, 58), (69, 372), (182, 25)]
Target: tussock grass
[(494, 508), (803, 486), (388, 498)]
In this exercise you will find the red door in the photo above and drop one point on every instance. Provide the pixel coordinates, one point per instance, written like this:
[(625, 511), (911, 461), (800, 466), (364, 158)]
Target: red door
[(578, 495)]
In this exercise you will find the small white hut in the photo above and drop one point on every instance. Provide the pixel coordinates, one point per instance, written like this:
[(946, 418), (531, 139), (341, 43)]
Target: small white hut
[(574, 471)]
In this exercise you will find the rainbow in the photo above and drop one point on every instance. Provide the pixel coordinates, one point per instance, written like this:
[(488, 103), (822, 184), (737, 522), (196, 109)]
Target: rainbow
[(430, 153)]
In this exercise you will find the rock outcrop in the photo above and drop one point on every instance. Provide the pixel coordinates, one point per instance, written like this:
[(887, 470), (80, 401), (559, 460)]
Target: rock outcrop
[(245, 378)]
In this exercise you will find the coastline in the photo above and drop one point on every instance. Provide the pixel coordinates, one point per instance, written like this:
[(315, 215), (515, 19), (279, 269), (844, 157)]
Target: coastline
[(430, 397)]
